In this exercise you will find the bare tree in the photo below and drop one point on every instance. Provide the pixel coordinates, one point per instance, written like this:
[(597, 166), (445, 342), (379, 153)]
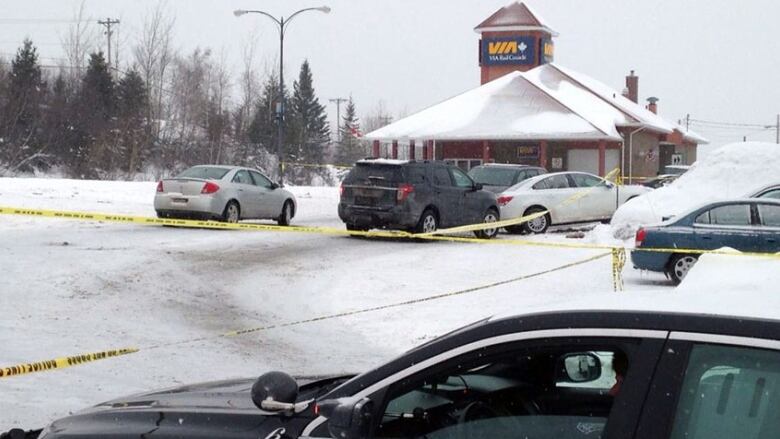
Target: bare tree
[(249, 85), (153, 56), (79, 41)]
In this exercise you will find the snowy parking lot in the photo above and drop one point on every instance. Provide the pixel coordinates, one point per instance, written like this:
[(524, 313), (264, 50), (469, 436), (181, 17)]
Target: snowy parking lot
[(71, 287)]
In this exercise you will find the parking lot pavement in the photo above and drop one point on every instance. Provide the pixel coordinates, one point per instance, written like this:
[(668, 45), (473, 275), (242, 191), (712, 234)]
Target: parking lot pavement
[(85, 286)]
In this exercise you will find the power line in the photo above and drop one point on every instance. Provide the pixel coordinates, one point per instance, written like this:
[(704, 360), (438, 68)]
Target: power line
[(731, 124), (39, 21)]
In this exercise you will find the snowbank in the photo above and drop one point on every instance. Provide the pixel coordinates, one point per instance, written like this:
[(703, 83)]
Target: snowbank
[(739, 276), (733, 171)]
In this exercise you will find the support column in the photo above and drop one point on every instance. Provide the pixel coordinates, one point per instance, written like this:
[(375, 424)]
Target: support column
[(411, 150), (429, 150), (602, 157), (375, 149), (485, 151), (395, 149), (543, 154)]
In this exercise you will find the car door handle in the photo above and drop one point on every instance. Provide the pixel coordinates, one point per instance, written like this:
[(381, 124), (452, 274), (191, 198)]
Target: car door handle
[(708, 238)]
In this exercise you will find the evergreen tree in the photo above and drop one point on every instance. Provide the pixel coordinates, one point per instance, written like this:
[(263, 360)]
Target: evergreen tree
[(308, 132), (350, 148), (132, 103), (21, 118), (263, 130), (94, 111)]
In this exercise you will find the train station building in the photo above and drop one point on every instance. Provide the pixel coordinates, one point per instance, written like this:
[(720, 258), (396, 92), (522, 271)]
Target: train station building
[(531, 110)]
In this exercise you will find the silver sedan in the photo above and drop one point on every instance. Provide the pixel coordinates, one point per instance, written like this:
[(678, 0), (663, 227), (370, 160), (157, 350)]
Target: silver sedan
[(225, 193)]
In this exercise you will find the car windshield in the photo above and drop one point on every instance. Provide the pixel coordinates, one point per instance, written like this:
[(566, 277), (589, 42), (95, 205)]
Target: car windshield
[(204, 172), (493, 175)]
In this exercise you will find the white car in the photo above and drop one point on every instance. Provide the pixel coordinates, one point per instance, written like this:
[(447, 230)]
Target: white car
[(224, 193), (569, 197)]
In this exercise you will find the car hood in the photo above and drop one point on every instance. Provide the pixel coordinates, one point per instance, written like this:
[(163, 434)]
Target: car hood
[(198, 410)]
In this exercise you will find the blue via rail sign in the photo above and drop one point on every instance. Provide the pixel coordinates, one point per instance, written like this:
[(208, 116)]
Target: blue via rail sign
[(547, 51), (506, 51)]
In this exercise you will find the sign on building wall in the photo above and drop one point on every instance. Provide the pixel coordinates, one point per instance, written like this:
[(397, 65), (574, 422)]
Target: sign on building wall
[(528, 152), (557, 162), (508, 51), (547, 51)]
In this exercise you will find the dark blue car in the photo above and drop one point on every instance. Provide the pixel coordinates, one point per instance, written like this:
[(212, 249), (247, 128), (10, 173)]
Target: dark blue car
[(751, 225)]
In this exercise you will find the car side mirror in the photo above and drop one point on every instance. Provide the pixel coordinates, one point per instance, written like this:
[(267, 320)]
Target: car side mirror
[(348, 418), (277, 392), (274, 186), (609, 184), (478, 186), (581, 367)]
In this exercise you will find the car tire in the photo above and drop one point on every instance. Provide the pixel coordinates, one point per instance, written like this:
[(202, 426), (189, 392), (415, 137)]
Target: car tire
[(680, 265), (515, 230), (286, 215), (232, 212), (538, 225), (491, 216), (428, 222)]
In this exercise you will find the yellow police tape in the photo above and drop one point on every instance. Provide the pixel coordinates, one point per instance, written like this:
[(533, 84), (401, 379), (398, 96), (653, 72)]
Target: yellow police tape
[(62, 362)]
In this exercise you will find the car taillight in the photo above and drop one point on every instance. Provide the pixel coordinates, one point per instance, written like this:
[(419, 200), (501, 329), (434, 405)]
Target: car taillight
[(209, 188), (160, 186), (403, 191), (503, 200), (640, 237), (341, 190)]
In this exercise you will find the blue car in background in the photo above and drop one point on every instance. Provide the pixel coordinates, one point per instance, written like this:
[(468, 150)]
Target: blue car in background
[(750, 225)]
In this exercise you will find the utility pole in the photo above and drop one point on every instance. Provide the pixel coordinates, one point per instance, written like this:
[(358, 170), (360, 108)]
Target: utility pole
[(107, 23), (338, 102), (687, 122)]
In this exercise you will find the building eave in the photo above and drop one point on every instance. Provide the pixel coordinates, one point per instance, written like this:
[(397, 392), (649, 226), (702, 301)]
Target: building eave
[(516, 28)]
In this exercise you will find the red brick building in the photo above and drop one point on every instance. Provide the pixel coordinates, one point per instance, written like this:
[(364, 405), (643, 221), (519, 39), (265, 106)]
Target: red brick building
[(531, 110)]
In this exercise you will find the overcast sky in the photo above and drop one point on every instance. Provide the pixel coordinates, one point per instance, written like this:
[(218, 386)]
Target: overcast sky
[(715, 59)]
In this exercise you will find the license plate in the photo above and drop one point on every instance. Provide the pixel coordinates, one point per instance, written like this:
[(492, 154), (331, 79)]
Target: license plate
[(364, 201), (180, 200)]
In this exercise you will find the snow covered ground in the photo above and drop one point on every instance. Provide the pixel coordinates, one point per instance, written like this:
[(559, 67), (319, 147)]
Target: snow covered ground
[(69, 287)]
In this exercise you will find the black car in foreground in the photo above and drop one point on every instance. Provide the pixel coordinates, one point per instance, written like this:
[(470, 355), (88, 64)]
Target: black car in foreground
[(665, 373), (418, 196)]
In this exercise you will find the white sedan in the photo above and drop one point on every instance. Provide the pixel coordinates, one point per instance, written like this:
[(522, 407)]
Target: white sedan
[(567, 197)]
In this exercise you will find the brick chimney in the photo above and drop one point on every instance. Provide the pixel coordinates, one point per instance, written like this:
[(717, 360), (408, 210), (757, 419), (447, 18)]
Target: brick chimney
[(652, 104), (632, 84)]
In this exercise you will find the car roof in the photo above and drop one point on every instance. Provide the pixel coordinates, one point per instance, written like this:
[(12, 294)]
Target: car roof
[(506, 165), (724, 304)]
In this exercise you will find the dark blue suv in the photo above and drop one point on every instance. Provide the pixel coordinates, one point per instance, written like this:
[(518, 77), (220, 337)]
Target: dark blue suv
[(418, 196)]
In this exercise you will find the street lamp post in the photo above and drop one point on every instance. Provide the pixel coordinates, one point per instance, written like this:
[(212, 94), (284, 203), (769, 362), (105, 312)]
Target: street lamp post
[(281, 25)]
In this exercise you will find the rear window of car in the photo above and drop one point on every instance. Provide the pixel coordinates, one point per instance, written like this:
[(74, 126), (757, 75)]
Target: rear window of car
[(204, 172), (774, 194), (770, 215), (554, 182), (375, 174), (493, 176), (729, 215)]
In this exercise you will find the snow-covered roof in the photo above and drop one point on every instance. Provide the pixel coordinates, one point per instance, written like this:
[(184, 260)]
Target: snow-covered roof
[(515, 106), (641, 115), (691, 135), (517, 16), (549, 102)]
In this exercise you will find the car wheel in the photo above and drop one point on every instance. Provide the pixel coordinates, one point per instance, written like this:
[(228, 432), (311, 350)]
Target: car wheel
[(428, 222), (491, 216), (232, 212), (515, 230), (537, 225), (680, 265), (286, 216)]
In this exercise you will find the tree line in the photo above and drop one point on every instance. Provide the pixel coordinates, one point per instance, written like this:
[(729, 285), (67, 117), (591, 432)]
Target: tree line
[(165, 112)]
